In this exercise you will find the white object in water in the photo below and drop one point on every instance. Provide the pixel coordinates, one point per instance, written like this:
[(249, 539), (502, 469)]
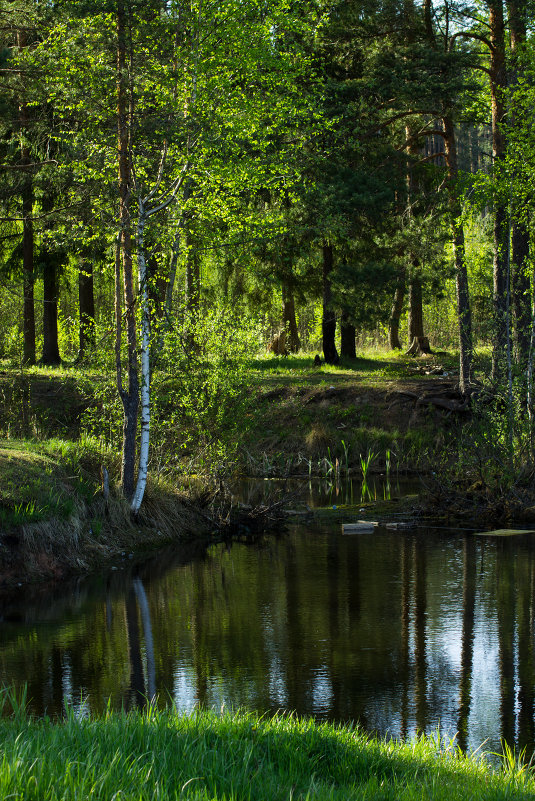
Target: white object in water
[(360, 527)]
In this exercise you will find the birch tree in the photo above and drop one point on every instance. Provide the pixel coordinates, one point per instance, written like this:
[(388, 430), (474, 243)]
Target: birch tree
[(155, 201)]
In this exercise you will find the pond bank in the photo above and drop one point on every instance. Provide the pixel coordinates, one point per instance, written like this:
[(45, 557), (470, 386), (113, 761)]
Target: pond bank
[(55, 521), (375, 415), (163, 755)]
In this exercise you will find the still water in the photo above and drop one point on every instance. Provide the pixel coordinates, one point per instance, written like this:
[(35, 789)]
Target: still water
[(400, 631)]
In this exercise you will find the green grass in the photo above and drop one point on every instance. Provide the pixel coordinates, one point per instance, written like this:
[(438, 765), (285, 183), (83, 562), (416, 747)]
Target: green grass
[(290, 423), (369, 364), (205, 755), (41, 479)]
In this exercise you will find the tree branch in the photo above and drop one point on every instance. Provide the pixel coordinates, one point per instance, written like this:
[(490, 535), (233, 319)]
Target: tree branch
[(468, 35)]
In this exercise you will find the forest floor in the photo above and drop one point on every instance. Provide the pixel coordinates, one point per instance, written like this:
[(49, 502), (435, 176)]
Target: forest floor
[(381, 412)]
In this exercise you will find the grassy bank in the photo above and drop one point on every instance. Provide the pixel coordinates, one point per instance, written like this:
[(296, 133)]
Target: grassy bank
[(285, 415), (307, 417), (277, 417), (162, 755), (55, 520)]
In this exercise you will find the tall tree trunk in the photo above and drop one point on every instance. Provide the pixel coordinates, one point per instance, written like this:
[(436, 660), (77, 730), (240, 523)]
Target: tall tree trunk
[(520, 240), (328, 326), (520, 291), (145, 360), (288, 318), (49, 261), (347, 337), (28, 355), (498, 85), (50, 309), (86, 301), (86, 295), (418, 343), (416, 315), (464, 315), (395, 314), (130, 396)]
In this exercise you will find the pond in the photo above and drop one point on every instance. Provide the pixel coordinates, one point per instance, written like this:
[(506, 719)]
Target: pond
[(401, 631)]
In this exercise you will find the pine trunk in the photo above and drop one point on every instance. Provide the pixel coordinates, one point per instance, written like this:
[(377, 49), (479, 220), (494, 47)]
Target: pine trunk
[(28, 275), (50, 292), (50, 310), (28, 353), (289, 321), (464, 315), (416, 315), (328, 326), (347, 337), (498, 85), (395, 314), (419, 343), (520, 239)]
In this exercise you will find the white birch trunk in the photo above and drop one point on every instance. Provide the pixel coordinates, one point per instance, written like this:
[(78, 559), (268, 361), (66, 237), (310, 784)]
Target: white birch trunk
[(147, 207), (145, 362)]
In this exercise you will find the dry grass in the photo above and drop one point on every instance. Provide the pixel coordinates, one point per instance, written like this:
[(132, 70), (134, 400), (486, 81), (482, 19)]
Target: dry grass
[(318, 440)]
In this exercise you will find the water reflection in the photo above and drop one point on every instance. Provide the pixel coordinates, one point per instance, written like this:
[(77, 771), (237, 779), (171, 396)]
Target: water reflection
[(467, 638), (402, 632), (336, 489)]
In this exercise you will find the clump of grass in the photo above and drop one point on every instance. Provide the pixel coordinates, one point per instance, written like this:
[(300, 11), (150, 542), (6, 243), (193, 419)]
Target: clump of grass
[(318, 439), (163, 755)]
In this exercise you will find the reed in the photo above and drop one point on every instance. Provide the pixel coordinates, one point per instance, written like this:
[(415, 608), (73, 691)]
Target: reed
[(365, 463)]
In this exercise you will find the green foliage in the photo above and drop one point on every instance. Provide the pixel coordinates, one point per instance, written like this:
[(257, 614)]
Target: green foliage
[(494, 447), (201, 403)]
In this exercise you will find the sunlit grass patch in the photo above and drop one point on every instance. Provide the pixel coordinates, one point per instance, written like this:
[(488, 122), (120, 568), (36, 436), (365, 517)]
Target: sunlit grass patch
[(206, 755)]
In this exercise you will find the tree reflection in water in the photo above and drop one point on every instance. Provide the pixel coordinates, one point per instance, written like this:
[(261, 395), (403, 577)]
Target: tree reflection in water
[(402, 632), (467, 638)]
